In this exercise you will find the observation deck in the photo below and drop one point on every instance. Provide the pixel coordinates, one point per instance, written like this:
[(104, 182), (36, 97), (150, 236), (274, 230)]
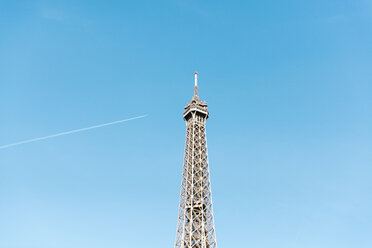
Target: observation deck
[(196, 106)]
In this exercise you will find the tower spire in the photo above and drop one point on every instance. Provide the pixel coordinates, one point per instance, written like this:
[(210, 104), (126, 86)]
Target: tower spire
[(196, 84)]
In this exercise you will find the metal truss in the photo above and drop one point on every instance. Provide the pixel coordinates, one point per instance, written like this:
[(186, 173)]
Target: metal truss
[(195, 228)]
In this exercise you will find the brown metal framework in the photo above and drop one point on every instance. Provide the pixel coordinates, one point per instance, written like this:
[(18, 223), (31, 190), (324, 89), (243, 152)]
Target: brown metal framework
[(195, 228)]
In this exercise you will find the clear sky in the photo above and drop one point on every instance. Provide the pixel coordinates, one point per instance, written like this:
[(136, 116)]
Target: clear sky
[(288, 83)]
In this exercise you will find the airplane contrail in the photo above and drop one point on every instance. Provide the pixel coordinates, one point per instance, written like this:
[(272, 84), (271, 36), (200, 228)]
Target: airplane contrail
[(70, 132)]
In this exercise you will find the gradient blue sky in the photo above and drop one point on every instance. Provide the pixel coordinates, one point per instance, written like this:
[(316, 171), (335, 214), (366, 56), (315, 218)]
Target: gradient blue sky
[(289, 87)]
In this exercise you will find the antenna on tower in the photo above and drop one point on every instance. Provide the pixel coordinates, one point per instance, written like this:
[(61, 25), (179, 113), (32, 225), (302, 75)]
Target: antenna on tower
[(196, 83)]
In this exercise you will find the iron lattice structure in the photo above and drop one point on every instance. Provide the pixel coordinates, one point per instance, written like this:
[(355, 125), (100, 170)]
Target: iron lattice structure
[(195, 228)]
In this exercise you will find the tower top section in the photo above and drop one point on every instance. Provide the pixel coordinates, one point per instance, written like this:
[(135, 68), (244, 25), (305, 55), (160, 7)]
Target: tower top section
[(195, 106)]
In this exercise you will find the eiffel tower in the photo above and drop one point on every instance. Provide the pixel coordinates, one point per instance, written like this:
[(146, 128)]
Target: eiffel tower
[(195, 228)]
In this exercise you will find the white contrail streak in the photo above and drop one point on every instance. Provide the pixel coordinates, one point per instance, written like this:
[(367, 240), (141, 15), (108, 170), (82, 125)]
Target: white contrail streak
[(70, 132)]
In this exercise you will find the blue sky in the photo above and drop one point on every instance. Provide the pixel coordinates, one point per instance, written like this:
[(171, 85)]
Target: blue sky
[(288, 85)]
